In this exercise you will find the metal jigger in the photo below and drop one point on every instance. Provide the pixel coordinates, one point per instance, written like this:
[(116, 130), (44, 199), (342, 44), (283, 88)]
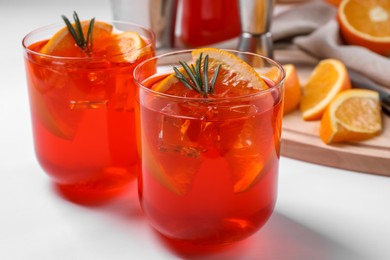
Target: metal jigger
[(255, 16), (162, 15)]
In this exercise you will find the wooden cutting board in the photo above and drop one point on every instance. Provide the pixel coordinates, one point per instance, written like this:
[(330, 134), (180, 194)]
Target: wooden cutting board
[(300, 140)]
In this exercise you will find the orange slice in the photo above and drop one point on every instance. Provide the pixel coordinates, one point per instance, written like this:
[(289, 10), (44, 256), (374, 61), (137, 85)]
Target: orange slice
[(127, 46), (169, 83), (54, 114), (246, 170), (175, 175), (62, 43), (250, 157), (328, 78), (353, 115), (292, 89), (366, 23), (234, 73)]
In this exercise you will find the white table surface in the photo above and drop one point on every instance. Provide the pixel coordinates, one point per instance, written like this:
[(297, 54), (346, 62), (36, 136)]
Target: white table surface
[(321, 212)]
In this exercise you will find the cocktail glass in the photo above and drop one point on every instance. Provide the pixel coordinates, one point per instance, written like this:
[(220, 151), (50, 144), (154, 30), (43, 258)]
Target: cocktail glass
[(82, 113), (209, 166)]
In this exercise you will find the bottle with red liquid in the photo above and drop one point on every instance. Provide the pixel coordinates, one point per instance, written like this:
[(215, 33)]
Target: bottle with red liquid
[(206, 22)]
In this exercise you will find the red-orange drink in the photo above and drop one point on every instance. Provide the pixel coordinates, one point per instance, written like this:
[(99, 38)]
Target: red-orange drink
[(209, 164), (82, 111)]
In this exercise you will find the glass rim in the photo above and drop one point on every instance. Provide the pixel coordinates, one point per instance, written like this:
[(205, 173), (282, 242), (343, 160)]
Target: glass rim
[(277, 85), (60, 25)]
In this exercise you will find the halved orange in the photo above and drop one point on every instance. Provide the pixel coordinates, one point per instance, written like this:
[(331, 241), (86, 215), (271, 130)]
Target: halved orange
[(366, 23), (62, 43), (292, 89), (353, 115), (328, 78)]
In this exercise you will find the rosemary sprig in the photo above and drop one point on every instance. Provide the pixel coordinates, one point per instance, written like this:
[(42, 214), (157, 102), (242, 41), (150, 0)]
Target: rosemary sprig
[(84, 42), (197, 77)]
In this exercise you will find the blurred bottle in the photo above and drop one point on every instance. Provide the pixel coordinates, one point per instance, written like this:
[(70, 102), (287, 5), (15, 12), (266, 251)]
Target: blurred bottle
[(206, 22)]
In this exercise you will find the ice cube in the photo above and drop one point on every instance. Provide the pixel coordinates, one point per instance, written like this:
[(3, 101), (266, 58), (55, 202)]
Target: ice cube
[(174, 134)]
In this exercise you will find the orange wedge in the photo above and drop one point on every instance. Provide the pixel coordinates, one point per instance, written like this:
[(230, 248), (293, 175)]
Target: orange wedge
[(366, 23), (328, 78), (62, 43), (234, 73), (292, 89), (353, 115)]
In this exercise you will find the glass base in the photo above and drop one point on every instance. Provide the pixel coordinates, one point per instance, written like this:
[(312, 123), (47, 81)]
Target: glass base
[(97, 192)]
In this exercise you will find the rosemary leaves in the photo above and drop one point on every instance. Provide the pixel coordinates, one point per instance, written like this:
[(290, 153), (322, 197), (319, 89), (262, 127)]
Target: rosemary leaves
[(84, 42), (197, 77)]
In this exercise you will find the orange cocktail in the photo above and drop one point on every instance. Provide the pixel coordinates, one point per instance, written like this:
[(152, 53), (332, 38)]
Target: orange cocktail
[(82, 106), (209, 159)]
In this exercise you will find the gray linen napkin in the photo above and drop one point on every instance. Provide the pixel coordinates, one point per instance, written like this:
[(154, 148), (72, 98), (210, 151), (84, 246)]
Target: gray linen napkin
[(301, 19), (317, 21)]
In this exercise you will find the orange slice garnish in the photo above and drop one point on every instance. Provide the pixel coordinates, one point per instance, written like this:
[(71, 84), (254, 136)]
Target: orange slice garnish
[(126, 46), (62, 43), (328, 78), (353, 115), (234, 73)]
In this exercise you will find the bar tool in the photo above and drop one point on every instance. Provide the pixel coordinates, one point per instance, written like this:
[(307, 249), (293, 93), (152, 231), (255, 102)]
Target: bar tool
[(162, 14), (255, 17)]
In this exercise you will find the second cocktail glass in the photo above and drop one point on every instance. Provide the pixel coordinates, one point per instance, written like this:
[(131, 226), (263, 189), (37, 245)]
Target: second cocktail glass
[(209, 165)]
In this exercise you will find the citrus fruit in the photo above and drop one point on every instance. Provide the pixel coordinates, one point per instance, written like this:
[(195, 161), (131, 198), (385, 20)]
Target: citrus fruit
[(233, 74), (246, 170), (235, 71), (353, 115), (366, 23), (62, 43), (53, 114), (250, 157), (292, 89), (328, 78), (176, 175), (127, 46)]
